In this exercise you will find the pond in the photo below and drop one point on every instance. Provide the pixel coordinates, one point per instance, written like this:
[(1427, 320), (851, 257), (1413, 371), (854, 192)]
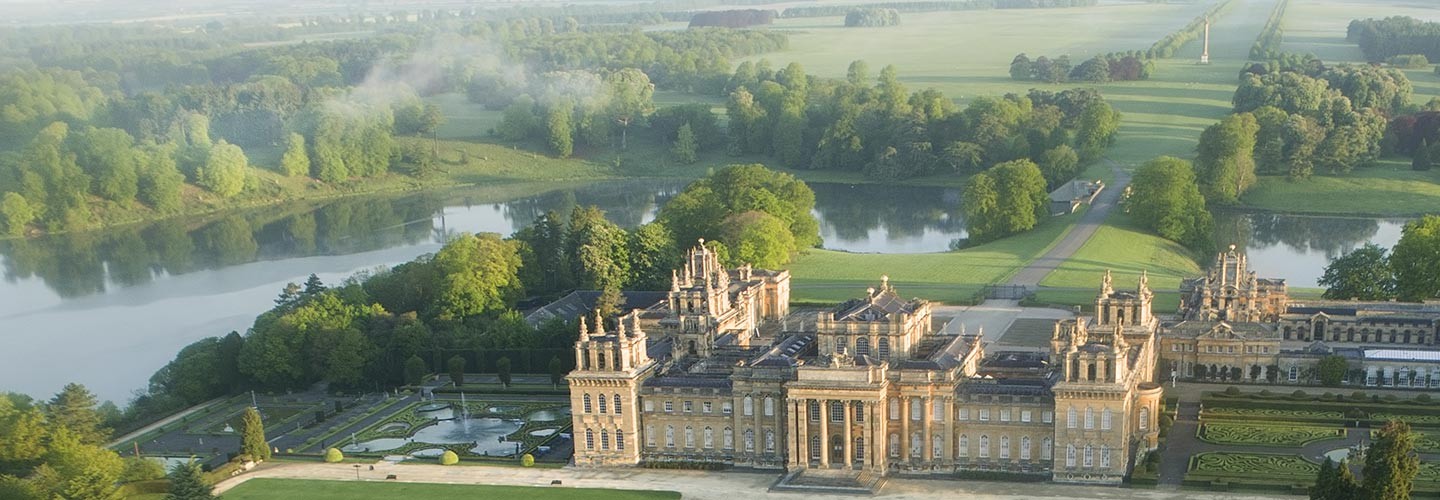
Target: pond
[(116, 305), (1298, 247)]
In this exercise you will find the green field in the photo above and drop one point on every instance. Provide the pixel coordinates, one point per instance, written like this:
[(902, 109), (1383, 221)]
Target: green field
[(1388, 188), (1126, 250), (282, 489), (1318, 26)]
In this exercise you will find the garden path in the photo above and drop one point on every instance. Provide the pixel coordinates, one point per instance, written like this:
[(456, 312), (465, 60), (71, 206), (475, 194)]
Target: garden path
[(1030, 275)]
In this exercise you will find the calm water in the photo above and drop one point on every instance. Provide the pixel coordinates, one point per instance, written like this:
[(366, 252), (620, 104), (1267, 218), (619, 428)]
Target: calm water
[(1298, 248), (108, 308)]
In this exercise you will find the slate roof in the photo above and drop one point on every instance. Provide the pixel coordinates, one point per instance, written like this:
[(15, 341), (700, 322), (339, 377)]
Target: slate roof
[(876, 308), (580, 301)]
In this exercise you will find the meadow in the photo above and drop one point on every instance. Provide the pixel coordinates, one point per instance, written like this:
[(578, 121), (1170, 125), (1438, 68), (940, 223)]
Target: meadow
[(283, 489)]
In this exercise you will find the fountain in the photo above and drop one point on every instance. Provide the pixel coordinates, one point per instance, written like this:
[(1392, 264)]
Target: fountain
[(464, 408)]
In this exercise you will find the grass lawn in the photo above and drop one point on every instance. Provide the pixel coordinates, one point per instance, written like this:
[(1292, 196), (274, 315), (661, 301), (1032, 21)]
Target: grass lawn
[(952, 277), (1388, 188), (1318, 26), (1125, 249), (281, 489)]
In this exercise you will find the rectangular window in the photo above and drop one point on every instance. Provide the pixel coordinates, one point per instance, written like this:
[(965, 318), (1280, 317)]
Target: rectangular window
[(1089, 456), (747, 406), (727, 407), (1005, 415), (937, 412), (1025, 416), (917, 411), (769, 407), (706, 407), (649, 406), (837, 412), (894, 409), (984, 414), (964, 414), (669, 407), (650, 436), (1047, 416), (1174, 347), (689, 406), (620, 441), (813, 408)]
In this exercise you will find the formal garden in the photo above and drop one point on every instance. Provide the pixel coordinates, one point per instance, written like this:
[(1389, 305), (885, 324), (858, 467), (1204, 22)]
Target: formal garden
[(472, 429), (1324, 408), (1270, 435)]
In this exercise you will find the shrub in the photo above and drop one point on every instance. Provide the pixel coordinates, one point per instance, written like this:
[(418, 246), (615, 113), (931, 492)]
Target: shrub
[(1409, 61), (1266, 392), (1358, 396), (333, 455), (1391, 398), (1232, 391), (449, 458), (1423, 398), (1329, 396), (1299, 394), (527, 460)]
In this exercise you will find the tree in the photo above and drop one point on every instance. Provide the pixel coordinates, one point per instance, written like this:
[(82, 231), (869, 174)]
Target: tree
[(1225, 165), (559, 132), (313, 286), (1363, 274), (1164, 198), (108, 155), (653, 256), (16, 213), (1332, 370), (187, 482), (160, 177), (598, 249), (334, 456), (449, 458), (1059, 165), (1416, 260), (415, 370), (1021, 68), (701, 209), (456, 367), (609, 302), (1390, 463), (1421, 161), (557, 371), (288, 295), (1334, 482), (1009, 198), (684, 148), (759, 239), (24, 431), (480, 275), (224, 171), (295, 162), (630, 93), (502, 370), (252, 436), (74, 409)]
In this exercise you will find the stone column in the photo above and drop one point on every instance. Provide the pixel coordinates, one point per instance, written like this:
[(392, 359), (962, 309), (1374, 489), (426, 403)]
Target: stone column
[(849, 439), (793, 424), (759, 431), (904, 428), (824, 433), (804, 437), (927, 445)]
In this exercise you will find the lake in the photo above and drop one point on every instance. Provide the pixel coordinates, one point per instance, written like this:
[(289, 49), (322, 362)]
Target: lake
[(107, 308), (1298, 247)]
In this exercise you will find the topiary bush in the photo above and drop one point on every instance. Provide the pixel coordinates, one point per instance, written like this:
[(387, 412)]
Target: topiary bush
[(449, 458), (333, 455), (1359, 396), (1232, 391), (527, 460), (1423, 398), (1299, 394)]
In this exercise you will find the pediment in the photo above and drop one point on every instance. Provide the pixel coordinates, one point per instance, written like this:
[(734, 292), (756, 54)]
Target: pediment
[(1221, 331)]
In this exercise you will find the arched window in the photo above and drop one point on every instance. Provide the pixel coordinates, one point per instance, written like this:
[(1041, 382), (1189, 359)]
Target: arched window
[(812, 410), (729, 438), (750, 440), (1070, 455), (585, 403), (1005, 447), (883, 347), (842, 345), (589, 439), (962, 447), (619, 440), (1105, 419), (604, 439), (617, 404), (748, 406), (689, 437), (670, 436), (1024, 447), (894, 444), (984, 446), (1144, 418), (769, 440), (602, 404), (769, 406), (1089, 418), (1105, 456), (709, 438), (859, 412), (1070, 418), (1089, 456), (1046, 451), (916, 409), (937, 446), (862, 346)]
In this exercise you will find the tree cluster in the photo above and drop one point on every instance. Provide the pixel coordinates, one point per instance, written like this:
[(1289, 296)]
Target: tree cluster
[(1267, 45), (1408, 61), (872, 17), (56, 449), (1389, 471), (1165, 198), (759, 216), (1410, 272), (934, 6), (1119, 67), (732, 18), (1381, 39), (1006, 199)]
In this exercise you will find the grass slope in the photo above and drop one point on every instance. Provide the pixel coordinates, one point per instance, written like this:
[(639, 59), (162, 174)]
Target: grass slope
[(1125, 249), (283, 489)]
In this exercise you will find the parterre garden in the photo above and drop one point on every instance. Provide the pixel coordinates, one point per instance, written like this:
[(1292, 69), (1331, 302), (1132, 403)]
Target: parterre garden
[(1267, 434), (539, 423)]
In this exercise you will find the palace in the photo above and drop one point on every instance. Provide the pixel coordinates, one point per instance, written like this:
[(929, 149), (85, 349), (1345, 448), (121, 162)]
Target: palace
[(721, 373)]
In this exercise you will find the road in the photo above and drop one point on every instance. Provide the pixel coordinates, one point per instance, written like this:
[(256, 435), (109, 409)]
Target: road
[(697, 485), (1030, 275)]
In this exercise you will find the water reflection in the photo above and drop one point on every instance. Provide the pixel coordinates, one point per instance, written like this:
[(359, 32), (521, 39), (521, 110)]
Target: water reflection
[(1297, 247), (888, 219)]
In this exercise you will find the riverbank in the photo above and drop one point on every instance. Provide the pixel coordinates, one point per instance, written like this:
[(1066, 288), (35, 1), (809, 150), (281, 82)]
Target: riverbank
[(1390, 188)]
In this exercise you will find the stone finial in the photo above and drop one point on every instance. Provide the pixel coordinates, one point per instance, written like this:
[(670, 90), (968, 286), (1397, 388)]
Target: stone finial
[(885, 282), (599, 323), (584, 329)]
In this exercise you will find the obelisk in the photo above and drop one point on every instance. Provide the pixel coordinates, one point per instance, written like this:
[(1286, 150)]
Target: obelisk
[(1205, 53)]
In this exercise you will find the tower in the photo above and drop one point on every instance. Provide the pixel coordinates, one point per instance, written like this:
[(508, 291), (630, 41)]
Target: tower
[(605, 391), (1205, 52)]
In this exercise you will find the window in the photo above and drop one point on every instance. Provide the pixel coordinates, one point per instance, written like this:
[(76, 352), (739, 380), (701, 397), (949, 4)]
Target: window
[(1174, 347), (894, 409), (1104, 456), (689, 437), (962, 448), (616, 399), (769, 406), (984, 414), (1144, 419), (812, 408), (649, 406), (837, 412), (727, 407), (1089, 456), (883, 347), (937, 411), (1105, 419), (670, 436), (1070, 418), (1025, 416), (585, 404), (729, 438), (650, 436), (1024, 447), (619, 440), (1070, 455), (1048, 417), (689, 406), (842, 345), (984, 446), (862, 346), (1045, 451), (1004, 447), (669, 407), (604, 438), (964, 414), (709, 438), (706, 407), (589, 439), (859, 450), (937, 446), (860, 412), (769, 440), (1089, 418), (602, 403), (894, 445), (750, 440), (814, 447), (917, 443), (1004, 414), (916, 409), (747, 406)]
